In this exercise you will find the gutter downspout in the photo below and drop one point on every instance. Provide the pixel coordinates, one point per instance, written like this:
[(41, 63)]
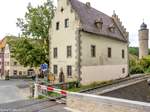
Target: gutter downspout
[(78, 56)]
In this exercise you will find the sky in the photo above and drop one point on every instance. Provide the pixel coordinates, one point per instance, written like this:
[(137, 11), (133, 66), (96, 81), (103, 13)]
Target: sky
[(131, 12)]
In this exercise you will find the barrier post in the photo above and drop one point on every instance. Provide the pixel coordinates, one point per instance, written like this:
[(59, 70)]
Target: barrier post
[(36, 90)]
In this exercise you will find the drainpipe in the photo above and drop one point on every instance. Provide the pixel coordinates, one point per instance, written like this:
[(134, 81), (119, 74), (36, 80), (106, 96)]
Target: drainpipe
[(78, 56)]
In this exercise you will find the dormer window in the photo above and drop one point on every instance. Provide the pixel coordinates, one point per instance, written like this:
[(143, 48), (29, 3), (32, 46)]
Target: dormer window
[(111, 28), (99, 23)]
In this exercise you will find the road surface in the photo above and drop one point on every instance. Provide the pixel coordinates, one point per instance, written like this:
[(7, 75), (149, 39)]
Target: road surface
[(10, 91)]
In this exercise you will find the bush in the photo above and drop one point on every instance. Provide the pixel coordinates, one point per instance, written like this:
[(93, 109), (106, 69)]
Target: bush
[(136, 69), (147, 70), (145, 62)]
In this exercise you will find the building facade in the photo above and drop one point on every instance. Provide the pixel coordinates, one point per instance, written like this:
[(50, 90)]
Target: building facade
[(11, 65), (1, 63), (86, 44)]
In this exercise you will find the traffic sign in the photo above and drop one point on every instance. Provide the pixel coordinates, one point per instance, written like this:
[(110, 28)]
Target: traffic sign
[(44, 67)]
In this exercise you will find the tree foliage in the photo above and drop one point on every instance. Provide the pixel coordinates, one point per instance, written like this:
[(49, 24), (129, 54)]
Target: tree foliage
[(35, 25), (139, 65), (27, 51), (134, 50)]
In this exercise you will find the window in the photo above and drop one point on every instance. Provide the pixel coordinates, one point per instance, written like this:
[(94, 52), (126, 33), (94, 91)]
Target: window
[(69, 51), (15, 72), (93, 50), (57, 26), (7, 72), (15, 63), (66, 23), (69, 70), (109, 52), (55, 52), (55, 71), (123, 53), (7, 63), (123, 70)]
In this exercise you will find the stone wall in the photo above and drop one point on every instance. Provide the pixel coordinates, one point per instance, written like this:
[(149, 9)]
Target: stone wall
[(93, 103)]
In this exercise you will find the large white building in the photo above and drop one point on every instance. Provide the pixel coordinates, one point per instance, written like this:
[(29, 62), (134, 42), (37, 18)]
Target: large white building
[(86, 44)]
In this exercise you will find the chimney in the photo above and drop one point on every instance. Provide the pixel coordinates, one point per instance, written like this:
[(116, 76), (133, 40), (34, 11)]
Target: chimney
[(88, 4)]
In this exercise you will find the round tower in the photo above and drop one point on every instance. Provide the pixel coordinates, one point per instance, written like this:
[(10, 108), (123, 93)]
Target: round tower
[(143, 40)]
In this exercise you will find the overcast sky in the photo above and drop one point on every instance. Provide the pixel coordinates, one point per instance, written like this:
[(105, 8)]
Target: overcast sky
[(131, 13)]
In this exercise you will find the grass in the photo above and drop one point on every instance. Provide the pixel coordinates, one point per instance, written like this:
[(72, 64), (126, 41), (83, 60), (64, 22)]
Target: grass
[(41, 97), (84, 87), (52, 94)]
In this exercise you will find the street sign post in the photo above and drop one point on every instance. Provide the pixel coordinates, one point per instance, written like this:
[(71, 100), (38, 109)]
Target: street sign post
[(44, 68)]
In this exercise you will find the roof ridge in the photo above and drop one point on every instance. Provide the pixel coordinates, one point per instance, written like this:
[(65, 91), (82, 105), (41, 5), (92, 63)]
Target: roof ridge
[(88, 16), (91, 8)]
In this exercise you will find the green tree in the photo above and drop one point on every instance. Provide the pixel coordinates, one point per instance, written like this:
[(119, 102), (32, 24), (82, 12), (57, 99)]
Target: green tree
[(27, 51), (36, 24), (134, 50)]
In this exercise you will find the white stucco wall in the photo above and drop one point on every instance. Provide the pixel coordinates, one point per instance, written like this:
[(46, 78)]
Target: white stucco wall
[(62, 38), (102, 73), (102, 68)]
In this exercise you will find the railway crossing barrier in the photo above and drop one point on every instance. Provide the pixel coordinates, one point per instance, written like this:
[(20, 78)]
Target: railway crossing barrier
[(39, 88)]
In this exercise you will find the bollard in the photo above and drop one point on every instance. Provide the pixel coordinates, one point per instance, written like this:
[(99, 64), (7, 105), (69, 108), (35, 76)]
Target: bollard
[(36, 90)]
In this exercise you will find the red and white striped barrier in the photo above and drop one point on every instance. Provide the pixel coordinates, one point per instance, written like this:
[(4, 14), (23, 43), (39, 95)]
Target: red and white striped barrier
[(52, 89)]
